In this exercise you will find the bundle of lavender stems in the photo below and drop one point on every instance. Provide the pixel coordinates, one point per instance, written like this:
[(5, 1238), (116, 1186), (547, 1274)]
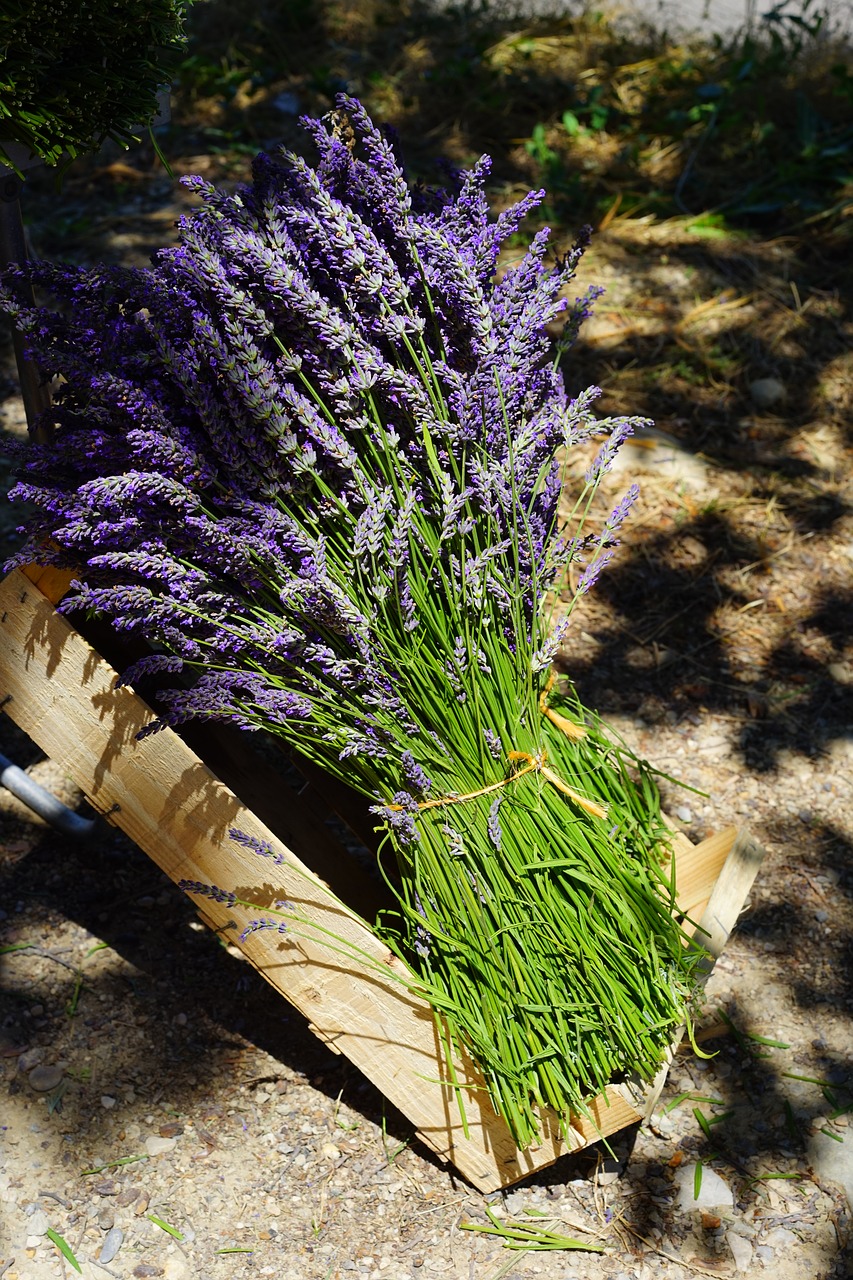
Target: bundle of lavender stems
[(314, 456)]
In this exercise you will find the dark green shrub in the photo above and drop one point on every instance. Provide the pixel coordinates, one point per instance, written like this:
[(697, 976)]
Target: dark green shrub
[(75, 72)]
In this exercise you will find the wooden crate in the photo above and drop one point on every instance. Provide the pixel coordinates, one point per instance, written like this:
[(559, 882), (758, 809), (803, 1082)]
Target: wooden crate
[(169, 800)]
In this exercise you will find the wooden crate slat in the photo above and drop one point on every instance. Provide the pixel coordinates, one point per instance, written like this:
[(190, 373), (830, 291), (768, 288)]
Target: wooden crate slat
[(165, 798)]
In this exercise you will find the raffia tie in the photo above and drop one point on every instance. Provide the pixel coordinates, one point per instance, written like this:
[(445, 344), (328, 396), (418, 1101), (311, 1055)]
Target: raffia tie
[(574, 731), (528, 764)]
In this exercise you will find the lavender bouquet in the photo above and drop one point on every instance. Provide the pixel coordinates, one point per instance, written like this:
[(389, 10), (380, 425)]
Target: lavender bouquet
[(313, 457)]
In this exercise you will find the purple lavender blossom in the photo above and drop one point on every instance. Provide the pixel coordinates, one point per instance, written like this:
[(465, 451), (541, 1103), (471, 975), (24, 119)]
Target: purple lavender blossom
[(494, 826), (592, 572), (255, 926), (414, 775), (621, 429), (261, 847), (278, 447), (202, 890), (543, 657), (422, 938)]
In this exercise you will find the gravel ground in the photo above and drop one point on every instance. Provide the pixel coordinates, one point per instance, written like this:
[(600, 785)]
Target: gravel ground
[(150, 1074)]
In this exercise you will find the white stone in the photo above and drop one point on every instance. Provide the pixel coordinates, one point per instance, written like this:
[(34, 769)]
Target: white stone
[(714, 1193), (176, 1268), (157, 1146), (657, 453), (780, 1238), (833, 1160), (38, 1223), (741, 1251)]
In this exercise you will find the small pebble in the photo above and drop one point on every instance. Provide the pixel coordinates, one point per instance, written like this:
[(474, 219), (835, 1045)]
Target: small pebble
[(127, 1196), (714, 1193), (144, 1269), (112, 1244), (107, 1101), (45, 1078), (157, 1146), (108, 1187), (37, 1223), (741, 1251), (106, 1219), (683, 814), (780, 1238), (29, 1059), (767, 392)]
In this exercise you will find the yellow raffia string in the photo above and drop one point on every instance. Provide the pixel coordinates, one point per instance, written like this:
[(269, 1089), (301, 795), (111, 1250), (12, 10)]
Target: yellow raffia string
[(570, 729), (530, 764)]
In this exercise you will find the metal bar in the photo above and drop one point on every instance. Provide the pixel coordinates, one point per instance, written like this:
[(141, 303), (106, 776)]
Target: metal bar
[(35, 797)]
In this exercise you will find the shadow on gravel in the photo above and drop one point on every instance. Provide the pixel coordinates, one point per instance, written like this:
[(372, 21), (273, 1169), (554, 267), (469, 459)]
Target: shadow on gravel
[(189, 1013), (681, 641)]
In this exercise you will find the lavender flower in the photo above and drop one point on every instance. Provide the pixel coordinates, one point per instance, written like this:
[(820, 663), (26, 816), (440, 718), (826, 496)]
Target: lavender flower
[(494, 826), (261, 847), (255, 926), (202, 890), (310, 457)]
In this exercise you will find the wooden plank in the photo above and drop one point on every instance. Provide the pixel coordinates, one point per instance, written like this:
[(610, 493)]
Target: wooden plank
[(697, 869), (166, 799), (728, 895), (734, 856)]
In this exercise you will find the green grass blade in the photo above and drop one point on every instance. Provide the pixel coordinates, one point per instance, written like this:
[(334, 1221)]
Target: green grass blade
[(64, 1248)]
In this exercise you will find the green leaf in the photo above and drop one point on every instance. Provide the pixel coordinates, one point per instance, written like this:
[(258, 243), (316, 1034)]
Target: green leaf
[(113, 1164), (517, 1235), (164, 1226), (702, 1121), (64, 1248)]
